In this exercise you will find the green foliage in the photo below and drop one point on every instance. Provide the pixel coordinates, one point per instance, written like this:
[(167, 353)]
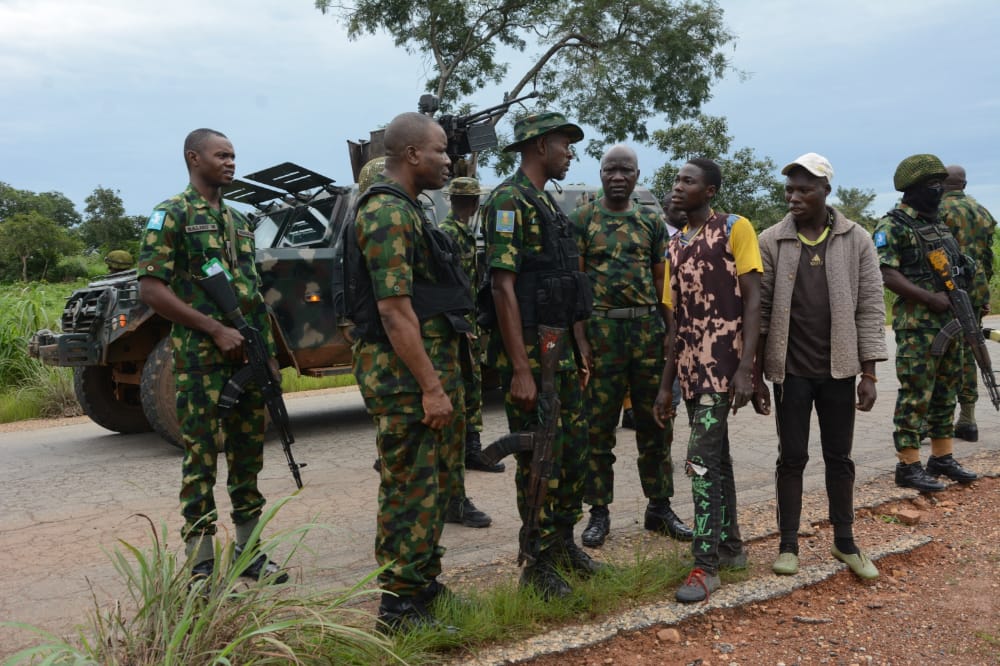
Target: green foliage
[(31, 243), (749, 185), (856, 204), (106, 226), (55, 206), (218, 620), (611, 66)]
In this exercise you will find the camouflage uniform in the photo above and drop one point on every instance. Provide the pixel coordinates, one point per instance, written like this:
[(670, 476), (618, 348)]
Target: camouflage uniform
[(417, 461), (927, 383), (509, 240), (182, 235), (619, 250), (973, 227)]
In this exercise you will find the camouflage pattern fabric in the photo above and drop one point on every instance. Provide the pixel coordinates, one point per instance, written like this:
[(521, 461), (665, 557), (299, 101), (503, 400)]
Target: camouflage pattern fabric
[(916, 168), (927, 387), (239, 434), (184, 234), (535, 125), (513, 230), (473, 376), (619, 250), (927, 383), (973, 227), (898, 247), (713, 486), (417, 462)]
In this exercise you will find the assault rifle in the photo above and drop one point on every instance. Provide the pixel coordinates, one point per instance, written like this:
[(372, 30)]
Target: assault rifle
[(965, 323), (538, 440), (472, 132), (256, 371)]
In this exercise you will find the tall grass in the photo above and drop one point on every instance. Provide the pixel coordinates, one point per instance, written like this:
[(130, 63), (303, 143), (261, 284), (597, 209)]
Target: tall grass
[(28, 388), (168, 621)]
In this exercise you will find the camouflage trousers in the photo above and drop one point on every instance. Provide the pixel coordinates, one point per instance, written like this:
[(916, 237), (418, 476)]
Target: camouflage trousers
[(240, 434), (713, 486), (628, 356), (472, 377), (927, 387), (968, 387), (563, 504), (417, 466)]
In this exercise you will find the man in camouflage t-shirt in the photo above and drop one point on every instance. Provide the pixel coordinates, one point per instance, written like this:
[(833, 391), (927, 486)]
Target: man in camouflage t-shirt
[(622, 245), (190, 236)]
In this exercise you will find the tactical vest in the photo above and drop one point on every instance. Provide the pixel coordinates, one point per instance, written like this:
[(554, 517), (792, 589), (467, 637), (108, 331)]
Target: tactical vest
[(448, 296), (913, 262), (550, 289)]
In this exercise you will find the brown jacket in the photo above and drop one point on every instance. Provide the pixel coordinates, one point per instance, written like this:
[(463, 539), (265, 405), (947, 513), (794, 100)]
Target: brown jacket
[(857, 308)]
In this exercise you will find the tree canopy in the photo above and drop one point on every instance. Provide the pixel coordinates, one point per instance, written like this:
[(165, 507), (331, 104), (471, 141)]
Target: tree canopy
[(106, 226), (56, 206), (750, 186), (611, 66), (856, 204), (33, 243)]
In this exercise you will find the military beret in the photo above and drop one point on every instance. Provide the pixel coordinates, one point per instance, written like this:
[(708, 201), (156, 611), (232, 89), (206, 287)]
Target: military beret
[(544, 122), (917, 168), (463, 186), (371, 169)]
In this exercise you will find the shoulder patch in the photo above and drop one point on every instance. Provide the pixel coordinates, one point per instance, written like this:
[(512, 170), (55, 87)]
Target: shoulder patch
[(504, 223), (155, 222), (880, 239)]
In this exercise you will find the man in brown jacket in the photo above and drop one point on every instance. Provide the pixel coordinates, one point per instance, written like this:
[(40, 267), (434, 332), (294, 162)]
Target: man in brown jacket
[(822, 324)]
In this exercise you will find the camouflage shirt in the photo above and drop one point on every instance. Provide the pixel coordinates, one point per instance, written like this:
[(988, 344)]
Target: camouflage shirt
[(184, 234), (513, 231), (898, 246), (396, 253), (619, 251), (466, 241), (973, 227)]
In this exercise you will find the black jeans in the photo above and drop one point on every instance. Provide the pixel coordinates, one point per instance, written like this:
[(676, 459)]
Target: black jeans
[(793, 405), (713, 487)]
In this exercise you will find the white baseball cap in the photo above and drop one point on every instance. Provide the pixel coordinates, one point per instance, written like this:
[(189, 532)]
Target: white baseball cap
[(814, 163)]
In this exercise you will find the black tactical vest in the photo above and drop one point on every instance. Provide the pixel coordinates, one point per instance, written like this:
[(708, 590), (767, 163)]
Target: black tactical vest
[(913, 262)]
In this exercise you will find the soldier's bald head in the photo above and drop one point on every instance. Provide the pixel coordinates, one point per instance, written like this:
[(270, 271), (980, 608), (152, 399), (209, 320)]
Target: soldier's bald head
[(620, 152), (955, 179), (406, 129)]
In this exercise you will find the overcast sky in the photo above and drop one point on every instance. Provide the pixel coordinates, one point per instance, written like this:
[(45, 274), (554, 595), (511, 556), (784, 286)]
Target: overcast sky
[(102, 92)]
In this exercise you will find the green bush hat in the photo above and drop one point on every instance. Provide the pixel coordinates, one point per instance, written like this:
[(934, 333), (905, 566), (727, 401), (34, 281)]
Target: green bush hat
[(463, 186), (917, 168), (536, 124)]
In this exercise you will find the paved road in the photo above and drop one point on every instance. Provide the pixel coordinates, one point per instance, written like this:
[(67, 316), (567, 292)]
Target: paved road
[(70, 492)]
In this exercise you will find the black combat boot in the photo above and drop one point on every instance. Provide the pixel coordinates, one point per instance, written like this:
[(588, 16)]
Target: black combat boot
[(544, 578), (571, 556), (914, 476), (401, 614), (660, 517), (462, 511), (261, 568), (474, 455), (948, 466), (597, 527)]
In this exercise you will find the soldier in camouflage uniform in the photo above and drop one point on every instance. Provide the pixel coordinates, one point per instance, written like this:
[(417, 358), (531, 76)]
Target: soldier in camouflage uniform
[(408, 371), (118, 261), (186, 237), (464, 195), (523, 242), (973, 227), (927, 383), (622, 246)]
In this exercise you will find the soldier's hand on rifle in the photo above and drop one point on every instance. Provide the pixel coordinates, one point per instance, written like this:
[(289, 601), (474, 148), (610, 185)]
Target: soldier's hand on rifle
[(523, 390), (229, 341), (438, 410), (938, 301)]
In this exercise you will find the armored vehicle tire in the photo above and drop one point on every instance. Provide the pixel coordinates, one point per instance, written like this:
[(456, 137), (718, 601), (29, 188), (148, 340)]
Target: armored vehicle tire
[(159, 394), (95, 391)]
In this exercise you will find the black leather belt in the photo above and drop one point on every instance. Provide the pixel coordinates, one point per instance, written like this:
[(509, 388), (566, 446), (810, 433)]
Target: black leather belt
[(626, 313)]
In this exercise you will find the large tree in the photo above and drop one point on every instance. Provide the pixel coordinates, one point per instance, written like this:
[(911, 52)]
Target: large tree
[(55, 206), (856, 204), (34, 243), (105, 225), (750, 186), (609, 65)]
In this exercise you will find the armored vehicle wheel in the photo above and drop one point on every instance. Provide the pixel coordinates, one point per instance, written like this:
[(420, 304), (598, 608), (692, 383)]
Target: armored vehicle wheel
[(159, 395), (95, 391)]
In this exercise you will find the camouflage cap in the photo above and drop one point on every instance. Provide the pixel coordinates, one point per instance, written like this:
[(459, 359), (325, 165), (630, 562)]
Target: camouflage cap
[(917, 168), (368, 172), (118, 260), (543, 122), (463, 186)]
